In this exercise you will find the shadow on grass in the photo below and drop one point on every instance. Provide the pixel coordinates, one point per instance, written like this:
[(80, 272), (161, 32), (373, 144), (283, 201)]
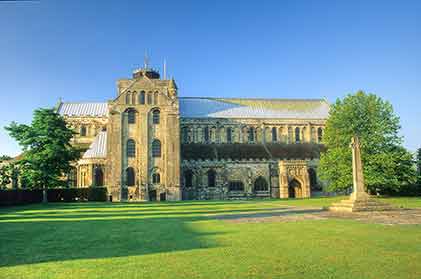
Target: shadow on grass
[(35, 234), (44, 241), (125, 214)]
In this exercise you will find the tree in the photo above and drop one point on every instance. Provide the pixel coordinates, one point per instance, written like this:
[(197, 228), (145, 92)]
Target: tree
[(5, 158), (47, 153), (419, 166), (5, 176), (387, 165)]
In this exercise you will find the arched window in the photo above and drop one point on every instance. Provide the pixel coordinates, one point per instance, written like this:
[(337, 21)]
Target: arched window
[(188, 178), (297, 135), (319, 134), (128, 98), (251, 135), (236, 186), (229, 135), (155, 98), (156, 148), (142, 98), (131, 116), (134, 98), (185, 134), (130, 176), (149, 98), (155, 116), (156, 178), (83, 131), (99, 176), (206, 134), (131, 148), (211, 178), (260, 184), (274, 134)]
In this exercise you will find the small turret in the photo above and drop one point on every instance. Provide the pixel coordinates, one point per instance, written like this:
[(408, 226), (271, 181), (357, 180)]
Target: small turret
[(172, 88)]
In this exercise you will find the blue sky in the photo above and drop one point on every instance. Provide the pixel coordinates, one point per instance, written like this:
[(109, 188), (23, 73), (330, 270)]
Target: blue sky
[(77, 50)]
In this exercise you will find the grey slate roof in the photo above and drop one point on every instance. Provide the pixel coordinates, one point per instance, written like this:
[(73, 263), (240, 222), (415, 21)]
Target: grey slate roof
[(98, 148), (196, 107), (253, 108), (83, 109)]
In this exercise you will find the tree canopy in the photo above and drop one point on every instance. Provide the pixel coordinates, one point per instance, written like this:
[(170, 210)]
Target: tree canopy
[(387, 165), (5, 158), (47, 153), (419, 166)]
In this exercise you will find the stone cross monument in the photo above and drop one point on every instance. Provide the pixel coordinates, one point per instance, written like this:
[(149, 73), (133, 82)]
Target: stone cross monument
[(359, 200), (359, 192)]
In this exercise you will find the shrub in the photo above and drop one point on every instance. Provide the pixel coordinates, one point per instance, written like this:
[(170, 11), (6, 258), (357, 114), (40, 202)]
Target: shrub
[(25, 196), (20, 196), (97, 194)]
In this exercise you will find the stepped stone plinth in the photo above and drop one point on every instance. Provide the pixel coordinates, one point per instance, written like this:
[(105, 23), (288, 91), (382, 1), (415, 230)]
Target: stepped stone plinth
[(368, 204), (359, 200)]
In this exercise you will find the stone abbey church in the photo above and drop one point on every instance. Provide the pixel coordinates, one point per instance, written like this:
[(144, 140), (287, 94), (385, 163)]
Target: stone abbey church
[(150, 144)]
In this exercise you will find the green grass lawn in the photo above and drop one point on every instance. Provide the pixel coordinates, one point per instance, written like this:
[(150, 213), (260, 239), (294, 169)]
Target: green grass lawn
[(185, 240)]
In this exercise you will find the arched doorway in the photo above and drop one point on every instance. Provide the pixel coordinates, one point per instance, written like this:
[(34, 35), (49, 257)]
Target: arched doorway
[(152, 195), (294, 189), (99, 177)]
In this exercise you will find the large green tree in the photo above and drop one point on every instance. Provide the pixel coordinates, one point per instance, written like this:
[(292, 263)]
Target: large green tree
[(5, 176), (387, 165), (419, 166), (47, 153)]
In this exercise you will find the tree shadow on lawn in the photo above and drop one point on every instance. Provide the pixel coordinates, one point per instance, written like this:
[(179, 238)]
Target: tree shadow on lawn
[(85, 206), (127, 214), (77, 235), (45, 241)]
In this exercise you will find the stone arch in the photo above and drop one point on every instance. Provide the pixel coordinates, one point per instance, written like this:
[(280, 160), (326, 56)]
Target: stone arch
[(156, 148), (130, 176), (131, 115), (155, 177), (156, 115), (142, 97), (261, 185), (131, 148), (98, 176), (295, 188), (211, 174)]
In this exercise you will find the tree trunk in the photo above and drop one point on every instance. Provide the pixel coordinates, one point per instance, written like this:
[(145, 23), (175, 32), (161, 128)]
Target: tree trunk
[(44, 195)]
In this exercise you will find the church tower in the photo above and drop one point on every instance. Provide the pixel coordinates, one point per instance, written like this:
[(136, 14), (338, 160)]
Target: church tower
[(143, 141)]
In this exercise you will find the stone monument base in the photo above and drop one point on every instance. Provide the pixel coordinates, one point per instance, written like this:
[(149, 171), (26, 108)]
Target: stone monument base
[(360, 204)]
